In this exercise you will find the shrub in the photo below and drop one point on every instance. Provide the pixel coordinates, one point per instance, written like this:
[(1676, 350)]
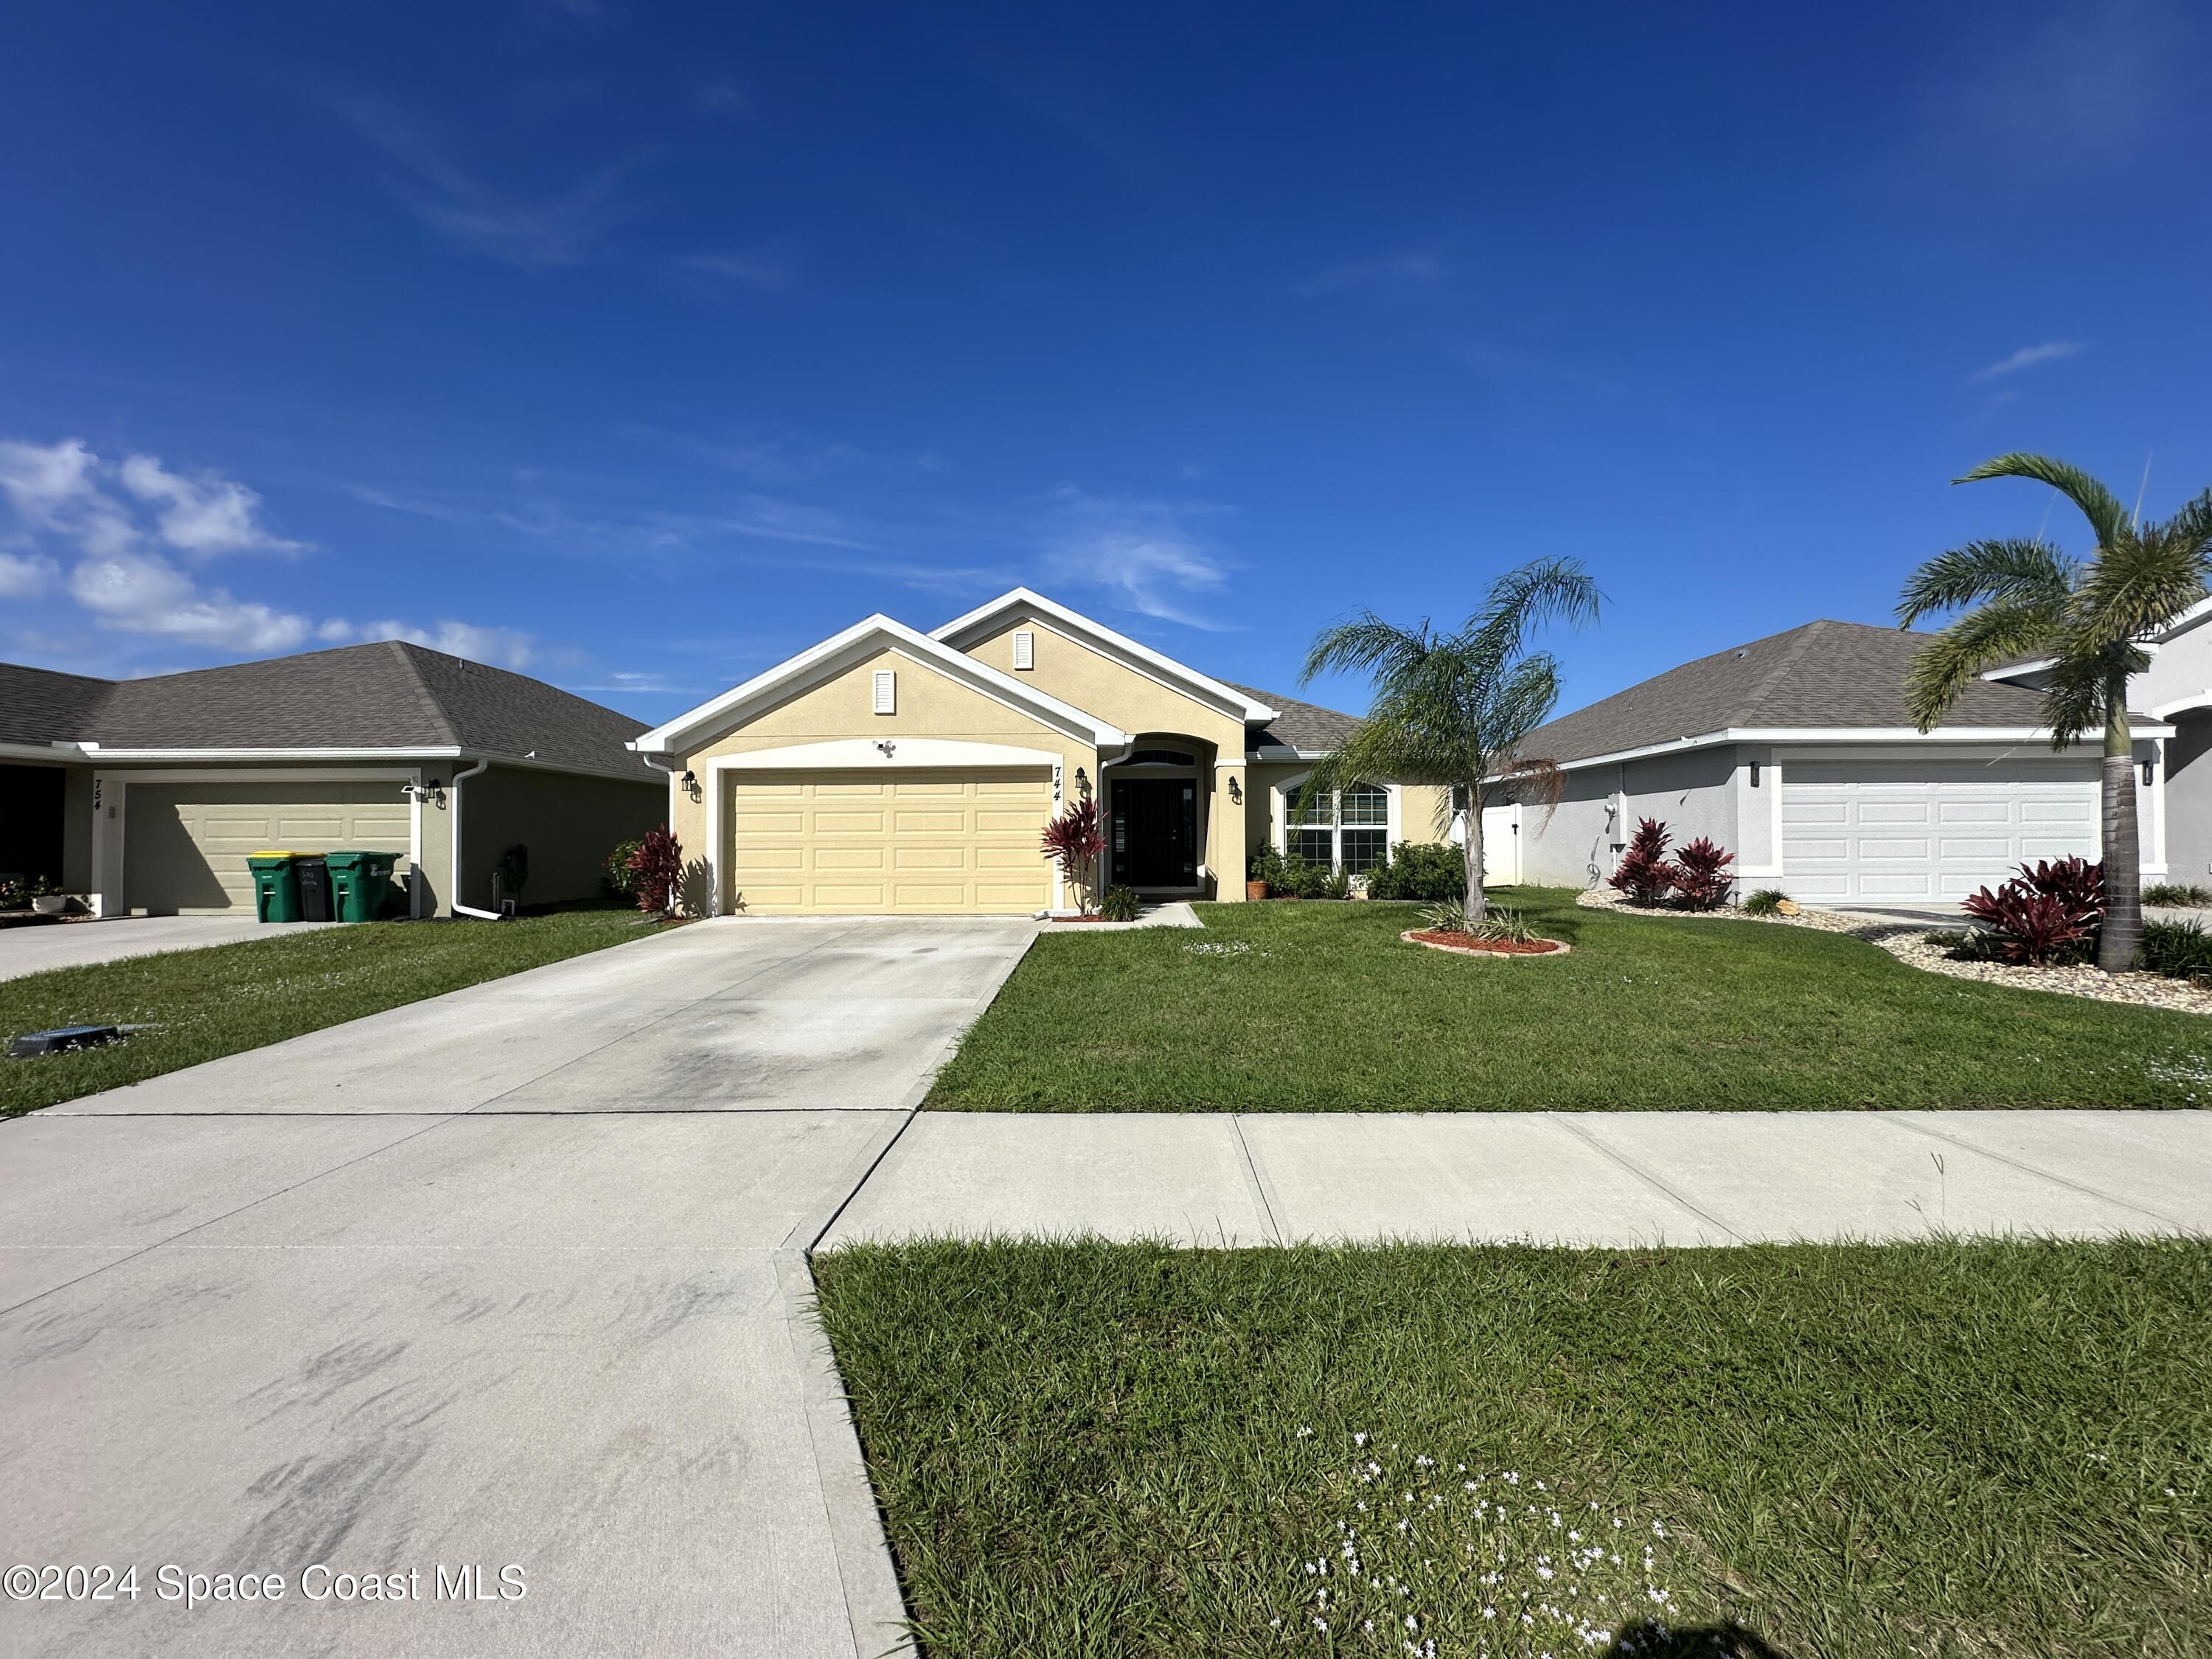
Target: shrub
[(1448, 917), (1265, 864), (620, 877), (514, 870), (1420, 870), (2178, 895), (1643, 873), (2180, 950), (657, 869), (1121, 904), (2047, 913), (1699, 875), (1074, 840), (1767, 902)]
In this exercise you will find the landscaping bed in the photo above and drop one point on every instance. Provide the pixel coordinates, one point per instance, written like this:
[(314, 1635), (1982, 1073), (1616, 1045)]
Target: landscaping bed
[(1474, 945), (224, 998), (1939, 1449), (1322, 1007)]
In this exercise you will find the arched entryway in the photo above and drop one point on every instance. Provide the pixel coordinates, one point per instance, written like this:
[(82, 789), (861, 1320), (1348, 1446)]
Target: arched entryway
[(1157, 802)]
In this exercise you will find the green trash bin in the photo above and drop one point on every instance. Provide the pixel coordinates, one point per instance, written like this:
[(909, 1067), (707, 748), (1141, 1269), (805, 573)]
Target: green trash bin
[(360, 881), (275, 885)]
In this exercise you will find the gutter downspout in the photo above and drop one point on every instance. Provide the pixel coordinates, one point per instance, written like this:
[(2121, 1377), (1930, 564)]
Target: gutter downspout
[(459, 908)]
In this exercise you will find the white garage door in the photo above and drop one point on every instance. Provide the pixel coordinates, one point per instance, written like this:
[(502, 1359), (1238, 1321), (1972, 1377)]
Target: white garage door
[(185, 845), (1929, 831), (876, 843)]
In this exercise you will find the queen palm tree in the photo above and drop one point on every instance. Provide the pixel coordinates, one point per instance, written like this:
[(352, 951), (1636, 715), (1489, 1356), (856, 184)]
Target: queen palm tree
[(1453, 709), (2090, 617)]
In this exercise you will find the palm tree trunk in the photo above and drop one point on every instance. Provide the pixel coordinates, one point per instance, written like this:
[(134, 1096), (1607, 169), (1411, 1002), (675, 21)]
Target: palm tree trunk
[(2120, 942), (1470, 851)]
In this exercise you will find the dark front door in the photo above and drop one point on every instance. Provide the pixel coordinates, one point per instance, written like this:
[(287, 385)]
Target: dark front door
[(1155, 832)]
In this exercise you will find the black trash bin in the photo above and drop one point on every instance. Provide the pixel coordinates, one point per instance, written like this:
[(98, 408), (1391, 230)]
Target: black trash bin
[(314, 877)]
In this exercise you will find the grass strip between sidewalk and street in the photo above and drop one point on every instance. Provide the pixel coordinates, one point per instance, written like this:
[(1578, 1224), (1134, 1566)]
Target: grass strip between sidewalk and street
[(1945, 1447), (225, 999), (1322, 1007)]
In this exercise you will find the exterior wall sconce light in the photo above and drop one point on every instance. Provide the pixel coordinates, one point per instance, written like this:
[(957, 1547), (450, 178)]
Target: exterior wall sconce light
[(691, 782), (1754, 775), (1082, 782), (1235, 793), (2149, 771)]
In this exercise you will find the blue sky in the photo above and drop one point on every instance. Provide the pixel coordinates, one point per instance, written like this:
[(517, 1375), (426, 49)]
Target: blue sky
[(639, 348)]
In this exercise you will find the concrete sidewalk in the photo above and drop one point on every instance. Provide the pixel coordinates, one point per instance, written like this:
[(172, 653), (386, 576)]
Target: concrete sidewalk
[(76, 943), (1613, 1179)]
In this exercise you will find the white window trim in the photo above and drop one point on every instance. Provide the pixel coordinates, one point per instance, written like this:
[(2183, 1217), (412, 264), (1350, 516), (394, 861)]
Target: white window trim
[(1392, 826)]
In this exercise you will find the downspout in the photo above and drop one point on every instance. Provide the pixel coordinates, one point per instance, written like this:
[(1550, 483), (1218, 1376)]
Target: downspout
[(668, 771), (459, 908)]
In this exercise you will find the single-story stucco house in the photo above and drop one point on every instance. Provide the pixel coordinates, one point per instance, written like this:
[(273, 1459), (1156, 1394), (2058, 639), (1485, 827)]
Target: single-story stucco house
[(1796, 753), (890, 770), (147, 795)]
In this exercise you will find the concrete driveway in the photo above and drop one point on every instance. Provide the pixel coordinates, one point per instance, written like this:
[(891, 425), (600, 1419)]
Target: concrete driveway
[(32, 950), (510, 1279)]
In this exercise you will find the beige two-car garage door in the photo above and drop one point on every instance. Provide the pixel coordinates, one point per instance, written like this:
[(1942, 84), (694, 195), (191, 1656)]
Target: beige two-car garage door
[(185, 845), (868, 843)]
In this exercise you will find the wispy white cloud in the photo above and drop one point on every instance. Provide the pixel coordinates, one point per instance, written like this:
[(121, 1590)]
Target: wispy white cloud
[(560, 229), (2028, 356), (771, 263), (1155, 558), (1395, 271), (202, 515), (26, 577), (118, 520)]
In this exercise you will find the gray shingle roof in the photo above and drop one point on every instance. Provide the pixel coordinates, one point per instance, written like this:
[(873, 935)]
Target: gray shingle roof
[(1824, 674), (1303, 725), (390, 694)]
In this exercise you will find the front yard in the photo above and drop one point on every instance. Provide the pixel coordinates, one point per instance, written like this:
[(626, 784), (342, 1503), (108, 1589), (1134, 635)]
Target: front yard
[(1928, 1449), (1320, 1007), (205, 1004)]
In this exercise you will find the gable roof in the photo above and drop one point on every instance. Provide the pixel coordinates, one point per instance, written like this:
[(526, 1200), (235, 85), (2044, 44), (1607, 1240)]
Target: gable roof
[(1238, 702), (1306, 727), (1825, 675), (387, 695), (842, 650)]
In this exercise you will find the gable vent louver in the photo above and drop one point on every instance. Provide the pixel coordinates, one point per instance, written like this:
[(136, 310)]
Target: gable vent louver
[(1024, 648), (886, 691)]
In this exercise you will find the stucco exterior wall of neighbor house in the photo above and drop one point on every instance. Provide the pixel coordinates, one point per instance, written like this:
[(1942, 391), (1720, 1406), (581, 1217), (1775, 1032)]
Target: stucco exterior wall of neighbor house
[(569, 823), (1076, 673), (928, 706), (2178, 683), (1698, 792)]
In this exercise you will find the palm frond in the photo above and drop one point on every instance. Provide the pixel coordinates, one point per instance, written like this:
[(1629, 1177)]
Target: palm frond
[(2011, 570), (2073, 702), (2107, 519), (1534, 780), (1999, 632), (1524, 599), (2143, 582), (1366, 644), (1524, 701)]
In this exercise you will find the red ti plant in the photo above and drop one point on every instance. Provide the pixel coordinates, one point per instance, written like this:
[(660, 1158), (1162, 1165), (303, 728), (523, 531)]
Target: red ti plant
[(2041, 911), (1643, 873), (1699, 875), (1074, 841), (658, 866)]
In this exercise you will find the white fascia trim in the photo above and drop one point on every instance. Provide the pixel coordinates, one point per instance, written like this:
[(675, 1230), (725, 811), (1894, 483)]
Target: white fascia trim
[(964, 631), (840, 651), (1999, 675), (1898, 734), (137, 757), (861, 753), (43, 752), (2195, 617), (1280, 752), (2167, 711)]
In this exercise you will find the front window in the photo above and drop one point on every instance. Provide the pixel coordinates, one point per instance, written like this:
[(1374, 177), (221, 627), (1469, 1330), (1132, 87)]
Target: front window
[(1348, 830)]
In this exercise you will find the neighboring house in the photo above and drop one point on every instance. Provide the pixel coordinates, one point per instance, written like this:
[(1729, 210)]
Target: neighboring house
[(1796, 753), (147, 795), (888, 771)]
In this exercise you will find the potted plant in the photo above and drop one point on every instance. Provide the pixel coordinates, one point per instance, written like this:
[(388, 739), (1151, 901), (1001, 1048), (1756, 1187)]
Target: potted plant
[(1262, 871), (47, 899)]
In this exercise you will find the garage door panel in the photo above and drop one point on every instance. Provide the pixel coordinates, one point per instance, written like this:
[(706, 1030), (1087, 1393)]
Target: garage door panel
[(1841, 823), (185, 845), (931, 843)]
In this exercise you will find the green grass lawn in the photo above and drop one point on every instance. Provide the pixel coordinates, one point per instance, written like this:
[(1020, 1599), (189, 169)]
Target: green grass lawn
[(226, 998), (1987, 1450), (1316, 1007)]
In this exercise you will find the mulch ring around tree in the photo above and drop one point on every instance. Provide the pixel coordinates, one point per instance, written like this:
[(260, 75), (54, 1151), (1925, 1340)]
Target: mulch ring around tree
[(1466, 945)]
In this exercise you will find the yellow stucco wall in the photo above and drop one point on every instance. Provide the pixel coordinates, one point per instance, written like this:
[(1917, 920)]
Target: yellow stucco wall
[(1075, 673), (929, 705)]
